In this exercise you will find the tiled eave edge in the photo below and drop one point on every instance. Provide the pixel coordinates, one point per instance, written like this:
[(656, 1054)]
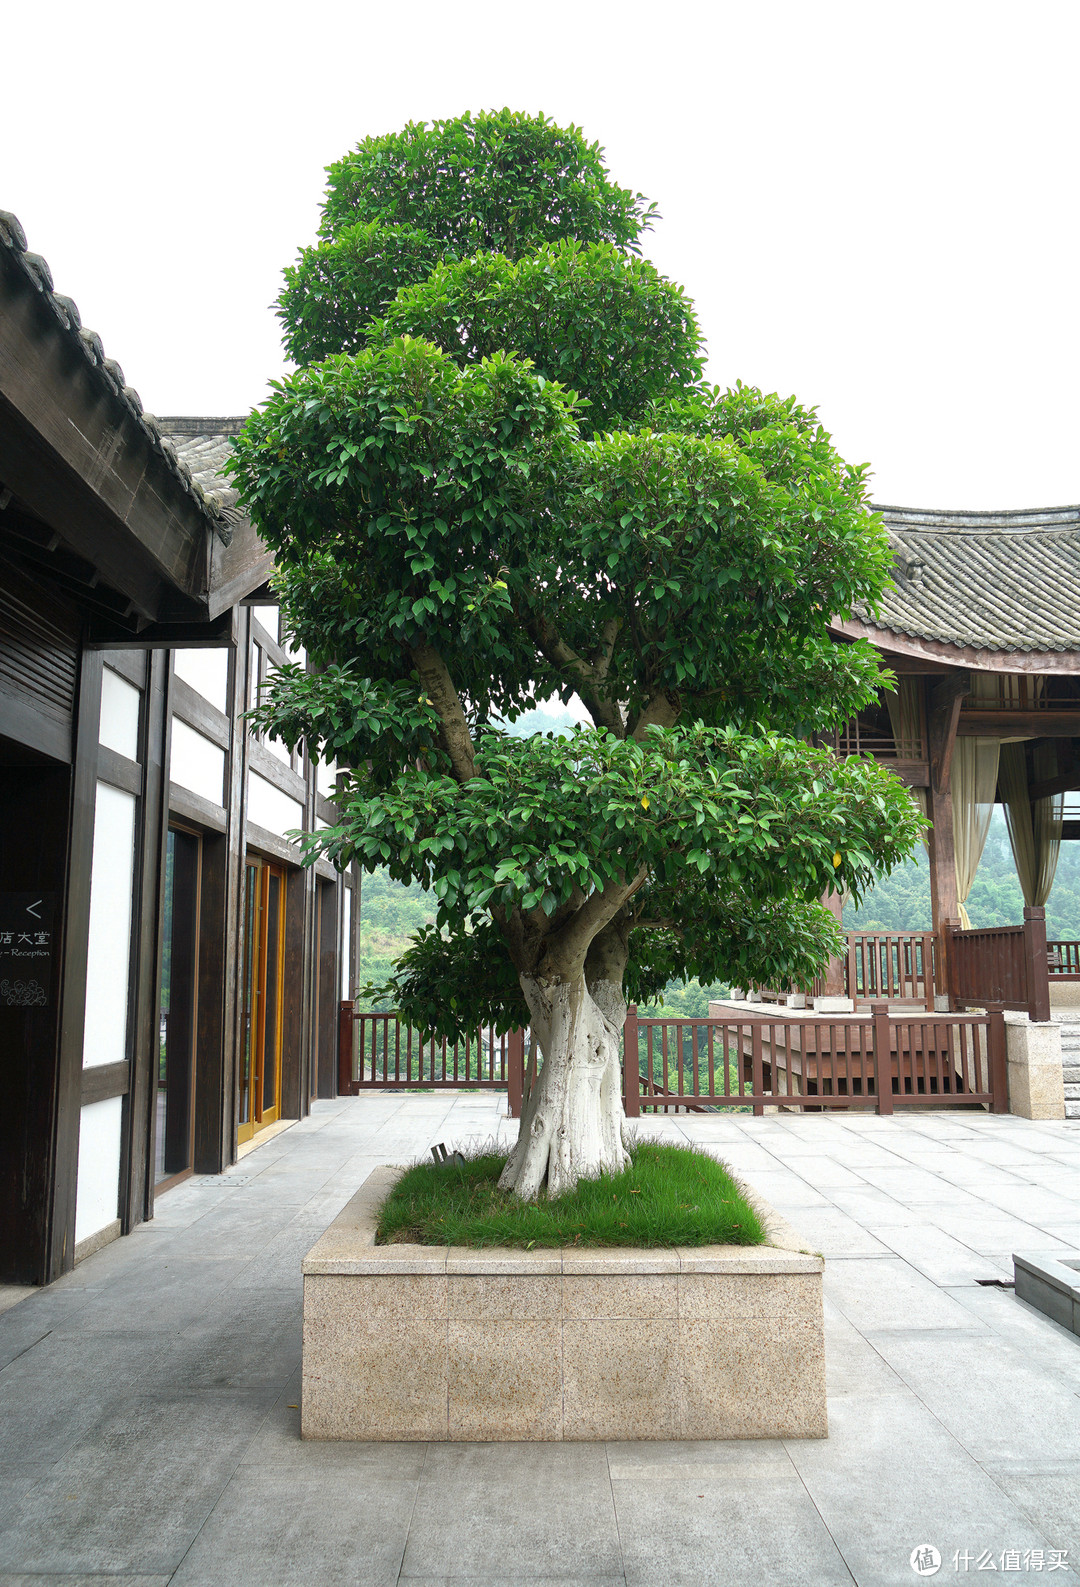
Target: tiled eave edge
[(940, 652), (107, 373)]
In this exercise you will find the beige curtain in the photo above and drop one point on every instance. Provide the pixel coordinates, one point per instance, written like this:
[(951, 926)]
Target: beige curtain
[(1034, 826), (974, 783), (905, 704)]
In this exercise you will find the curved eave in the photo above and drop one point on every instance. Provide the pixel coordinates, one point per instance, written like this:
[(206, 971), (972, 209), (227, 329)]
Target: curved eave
[(938, 653)]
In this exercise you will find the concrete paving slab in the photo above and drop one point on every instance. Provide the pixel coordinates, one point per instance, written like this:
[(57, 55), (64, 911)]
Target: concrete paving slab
[(893, 1479), (750, 1522), (135, 1486), (514, 1509), (349, 1530)]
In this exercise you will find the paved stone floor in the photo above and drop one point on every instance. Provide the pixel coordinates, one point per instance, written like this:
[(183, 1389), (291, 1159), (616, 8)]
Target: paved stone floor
[(148, 1402)]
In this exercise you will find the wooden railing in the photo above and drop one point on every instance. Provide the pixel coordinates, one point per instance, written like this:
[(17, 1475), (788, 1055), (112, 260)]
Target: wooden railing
[(1002, 966), (1063, 960), (816, 1061), (892, 964), (378, 1052), (745, 1062)]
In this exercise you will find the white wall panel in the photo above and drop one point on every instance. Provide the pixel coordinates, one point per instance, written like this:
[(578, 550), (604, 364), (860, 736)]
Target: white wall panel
[(343, 957), (97, 1188), (196, 763), (120, 701), (109, 951), (326, 778), (207, 672), (275, 745), (270, 808)]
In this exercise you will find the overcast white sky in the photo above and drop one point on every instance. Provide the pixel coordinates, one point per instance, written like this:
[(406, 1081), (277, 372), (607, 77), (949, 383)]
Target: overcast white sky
[(873, 203)]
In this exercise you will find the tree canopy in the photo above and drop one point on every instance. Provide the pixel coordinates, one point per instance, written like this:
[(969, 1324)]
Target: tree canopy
[(496, 477)]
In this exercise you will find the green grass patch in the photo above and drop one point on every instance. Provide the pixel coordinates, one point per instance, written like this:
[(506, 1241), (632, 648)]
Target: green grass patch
[(669, 1196)]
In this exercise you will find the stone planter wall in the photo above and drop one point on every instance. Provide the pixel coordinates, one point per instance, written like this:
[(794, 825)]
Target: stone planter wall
[(427, 1342)]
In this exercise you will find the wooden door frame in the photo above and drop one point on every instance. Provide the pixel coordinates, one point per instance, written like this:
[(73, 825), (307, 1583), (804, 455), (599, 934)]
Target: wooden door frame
[(157, 1187)]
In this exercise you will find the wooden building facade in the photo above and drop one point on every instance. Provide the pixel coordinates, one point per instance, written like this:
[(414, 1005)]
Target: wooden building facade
[(169, 973), (982, 630)]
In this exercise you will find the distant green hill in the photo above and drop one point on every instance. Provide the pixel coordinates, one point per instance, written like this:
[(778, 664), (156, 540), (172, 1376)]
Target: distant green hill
[(902, 901)]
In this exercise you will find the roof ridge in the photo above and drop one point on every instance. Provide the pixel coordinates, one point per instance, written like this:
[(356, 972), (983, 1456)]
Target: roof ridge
[(202, 424)]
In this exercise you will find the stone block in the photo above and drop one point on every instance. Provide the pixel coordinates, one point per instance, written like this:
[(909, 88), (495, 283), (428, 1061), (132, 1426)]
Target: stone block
[(504, 1380), (1050, 1282), (494, 1297), (620, 1379), (1034, 1070), (708, 1342), (595, 1296)]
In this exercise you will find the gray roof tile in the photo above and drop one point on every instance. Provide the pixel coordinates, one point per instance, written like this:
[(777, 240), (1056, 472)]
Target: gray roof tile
[(993, 581)]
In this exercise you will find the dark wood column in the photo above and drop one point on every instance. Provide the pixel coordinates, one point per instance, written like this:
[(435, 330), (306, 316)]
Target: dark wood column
[(836, 970), (942, 717), (76, 931)]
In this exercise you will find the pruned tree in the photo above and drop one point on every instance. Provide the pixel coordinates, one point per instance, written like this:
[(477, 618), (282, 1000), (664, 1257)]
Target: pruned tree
[(496, 478)]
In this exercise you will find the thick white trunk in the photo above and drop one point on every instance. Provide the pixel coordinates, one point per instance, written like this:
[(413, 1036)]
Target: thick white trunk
[(572, 1123)]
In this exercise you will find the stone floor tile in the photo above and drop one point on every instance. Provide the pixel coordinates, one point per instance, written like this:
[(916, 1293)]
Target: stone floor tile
[(168, 1294), (81, 1579), (512, 1581), (135, 1486), (941, 1258), (690, 1458), (913, 1186), (780, 1187), (55, 1390), (874, 1209), (1033, 1204), (514, 1510), (825, 1173), (1050, 1494), (917, 1371), (891, 1478), (750, 1523), (993, 1232), (832, 1233), (999, 1402), (348, 1529), (879, 1295)]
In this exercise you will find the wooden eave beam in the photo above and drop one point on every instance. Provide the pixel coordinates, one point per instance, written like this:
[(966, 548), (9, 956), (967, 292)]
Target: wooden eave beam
[(1004, 724)]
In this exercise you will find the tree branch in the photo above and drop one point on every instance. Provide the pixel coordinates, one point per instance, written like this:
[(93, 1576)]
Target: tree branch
[(595, 913), (587, 678), (661, 711), (454, 729)]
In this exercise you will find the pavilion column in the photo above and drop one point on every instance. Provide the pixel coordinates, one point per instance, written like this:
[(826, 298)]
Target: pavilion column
[(836, 969), (942, 717)]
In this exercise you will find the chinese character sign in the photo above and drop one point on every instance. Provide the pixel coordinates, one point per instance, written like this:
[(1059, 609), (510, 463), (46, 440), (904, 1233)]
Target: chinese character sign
[(27, 938)]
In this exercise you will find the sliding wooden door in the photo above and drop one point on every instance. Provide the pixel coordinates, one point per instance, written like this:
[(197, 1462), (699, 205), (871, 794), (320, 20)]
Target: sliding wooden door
[(259, 1086)]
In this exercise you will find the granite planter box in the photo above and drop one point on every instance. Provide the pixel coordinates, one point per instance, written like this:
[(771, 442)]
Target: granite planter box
[(428, 1342)]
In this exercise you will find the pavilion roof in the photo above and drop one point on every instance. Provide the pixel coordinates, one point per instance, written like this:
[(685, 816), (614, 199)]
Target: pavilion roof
[(1000, 581)]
